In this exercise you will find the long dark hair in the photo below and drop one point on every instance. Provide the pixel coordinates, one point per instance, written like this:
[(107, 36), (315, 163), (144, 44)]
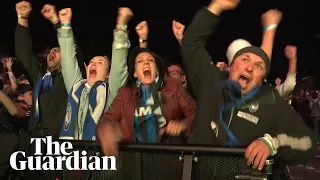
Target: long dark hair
[(132, 60)]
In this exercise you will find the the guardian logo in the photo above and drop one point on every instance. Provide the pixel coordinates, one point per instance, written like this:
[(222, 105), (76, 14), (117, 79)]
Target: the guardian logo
[(61, 157)]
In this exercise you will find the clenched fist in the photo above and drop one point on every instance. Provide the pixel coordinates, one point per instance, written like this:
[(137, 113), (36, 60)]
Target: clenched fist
[(23, 8), (291, 52), (65, 15), (272, 16), (223, 5), (124, 15), (49, 12), (178, 30), (142, 30)]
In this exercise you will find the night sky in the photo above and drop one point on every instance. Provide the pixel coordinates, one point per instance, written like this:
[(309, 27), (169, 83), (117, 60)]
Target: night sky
[(93, 23)]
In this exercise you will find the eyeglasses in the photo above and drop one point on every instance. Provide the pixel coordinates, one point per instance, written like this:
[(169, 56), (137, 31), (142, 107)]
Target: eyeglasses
[(175, 72)]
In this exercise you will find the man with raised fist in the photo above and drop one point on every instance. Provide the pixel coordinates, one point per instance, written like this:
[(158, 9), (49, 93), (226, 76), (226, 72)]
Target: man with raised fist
[(239, 110), (47, 112)]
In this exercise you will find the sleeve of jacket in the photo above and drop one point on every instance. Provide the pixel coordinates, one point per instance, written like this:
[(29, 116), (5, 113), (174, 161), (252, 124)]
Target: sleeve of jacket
[(196, 59), (69, 64), (114, 112), (294, 141), (287, 86), (188, 106), (25, 54), (119, 68)]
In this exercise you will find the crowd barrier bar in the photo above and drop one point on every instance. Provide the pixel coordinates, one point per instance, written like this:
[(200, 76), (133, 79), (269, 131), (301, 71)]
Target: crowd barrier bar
[(188, 154)]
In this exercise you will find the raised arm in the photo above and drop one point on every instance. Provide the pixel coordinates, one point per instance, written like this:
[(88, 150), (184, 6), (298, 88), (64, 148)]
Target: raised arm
[(142, 30), (288, 85), (178, 30), (11, 76), (23, 43), (120, 47), (195, 57), (70, 69), (270, 21), (8, 104)]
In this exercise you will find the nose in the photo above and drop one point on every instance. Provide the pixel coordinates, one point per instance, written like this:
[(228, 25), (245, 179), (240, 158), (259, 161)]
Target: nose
[(250, 67)]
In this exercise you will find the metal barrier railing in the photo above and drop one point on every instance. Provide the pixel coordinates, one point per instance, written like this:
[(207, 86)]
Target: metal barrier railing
[(172, 162)]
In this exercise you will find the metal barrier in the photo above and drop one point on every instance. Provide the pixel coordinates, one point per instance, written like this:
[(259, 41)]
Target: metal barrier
[(170, 162)]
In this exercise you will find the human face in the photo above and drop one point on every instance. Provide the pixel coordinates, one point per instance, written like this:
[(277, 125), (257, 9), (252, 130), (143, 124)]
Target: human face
[(249, 70), (54, 59), (177, 73), (145, 68), (26, 97), (98, 69), (277, 81)]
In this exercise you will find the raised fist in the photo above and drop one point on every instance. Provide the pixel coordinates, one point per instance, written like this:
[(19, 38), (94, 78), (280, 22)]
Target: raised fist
[(178, 30), (291, 52), (142, 30), (65, 15), (273, 16), (124, 16), (49, 12), (23, 8), (225, 5)]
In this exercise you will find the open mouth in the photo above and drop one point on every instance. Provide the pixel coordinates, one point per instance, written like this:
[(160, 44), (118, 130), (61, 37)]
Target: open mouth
[(147, 73), (51, 57), (244, 80), (92, 73)]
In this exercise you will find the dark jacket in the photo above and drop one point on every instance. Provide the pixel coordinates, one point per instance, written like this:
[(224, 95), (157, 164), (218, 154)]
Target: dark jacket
[(274, 116), (52, 105), (177, 105)]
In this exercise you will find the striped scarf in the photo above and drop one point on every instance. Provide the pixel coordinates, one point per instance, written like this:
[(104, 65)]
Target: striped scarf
[(42, 86), (148, 117)]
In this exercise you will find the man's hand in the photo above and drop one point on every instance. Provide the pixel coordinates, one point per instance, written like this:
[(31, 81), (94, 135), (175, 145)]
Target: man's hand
[(174, 128), (22, 109), (49, 12), (218, 6), (142, 30), (222, 66), (291, 52), (257, 153), (65, 15), (124, 16), (178, 30), (272, 16), (24, 9)]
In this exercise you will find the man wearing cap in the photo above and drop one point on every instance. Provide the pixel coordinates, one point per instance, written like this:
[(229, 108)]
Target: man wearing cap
[(284, 88), (238, 110)]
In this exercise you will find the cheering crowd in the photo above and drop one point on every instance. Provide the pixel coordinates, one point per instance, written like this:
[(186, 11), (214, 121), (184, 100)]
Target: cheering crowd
[(133, 97)]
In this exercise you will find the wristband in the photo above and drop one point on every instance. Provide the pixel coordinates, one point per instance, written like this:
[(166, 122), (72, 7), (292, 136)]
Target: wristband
[(65, 24), (269, 27), (22, 17), (142, 40)]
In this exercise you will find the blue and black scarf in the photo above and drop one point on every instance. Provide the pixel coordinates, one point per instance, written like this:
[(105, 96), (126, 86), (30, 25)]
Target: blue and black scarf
[(233, 89), (148, 117), (42, 86)]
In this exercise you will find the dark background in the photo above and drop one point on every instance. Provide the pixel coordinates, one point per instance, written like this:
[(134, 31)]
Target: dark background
[(93, 22)]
